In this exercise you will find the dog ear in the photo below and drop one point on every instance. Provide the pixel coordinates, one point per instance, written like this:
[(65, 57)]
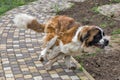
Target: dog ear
[(84, 37), (88, 37)]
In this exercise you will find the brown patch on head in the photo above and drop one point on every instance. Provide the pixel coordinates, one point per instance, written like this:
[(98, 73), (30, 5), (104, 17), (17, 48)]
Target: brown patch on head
[(87, 35)]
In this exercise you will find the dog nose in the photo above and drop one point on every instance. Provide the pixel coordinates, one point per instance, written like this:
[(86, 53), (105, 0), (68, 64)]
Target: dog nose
[(106, 42)]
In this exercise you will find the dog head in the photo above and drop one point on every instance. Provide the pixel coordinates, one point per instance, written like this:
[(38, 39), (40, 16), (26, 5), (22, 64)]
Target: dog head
[(92, 36)]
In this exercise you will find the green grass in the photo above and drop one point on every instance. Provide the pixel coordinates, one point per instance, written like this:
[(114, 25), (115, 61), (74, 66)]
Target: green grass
[(95, 9), (81, 67), (116, 32), (6, 5), (103, 25), (113, 37), (72, 5), (56, 8), (107, 24), (89, 55), (97, 50), (115, 1)]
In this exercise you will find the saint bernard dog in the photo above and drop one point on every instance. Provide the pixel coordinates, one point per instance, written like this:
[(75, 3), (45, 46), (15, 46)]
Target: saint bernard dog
[(64, 37)]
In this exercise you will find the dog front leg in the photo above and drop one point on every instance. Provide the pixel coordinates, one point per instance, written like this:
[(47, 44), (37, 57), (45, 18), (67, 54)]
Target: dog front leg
[(51, 43), (49, 64), (43, 55), (69, 64)]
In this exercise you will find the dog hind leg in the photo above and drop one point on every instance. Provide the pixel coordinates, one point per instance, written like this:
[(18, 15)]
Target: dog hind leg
[(69, 64), (50, 44), (49, 64)]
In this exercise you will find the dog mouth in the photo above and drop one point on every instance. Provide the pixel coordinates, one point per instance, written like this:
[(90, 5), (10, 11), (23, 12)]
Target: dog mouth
[(102, 46)]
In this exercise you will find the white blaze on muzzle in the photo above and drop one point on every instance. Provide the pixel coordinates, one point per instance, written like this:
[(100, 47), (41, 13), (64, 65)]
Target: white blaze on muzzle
[(104, 41)]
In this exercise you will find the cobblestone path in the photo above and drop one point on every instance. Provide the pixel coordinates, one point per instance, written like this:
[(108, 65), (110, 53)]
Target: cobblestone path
[(19, 49)]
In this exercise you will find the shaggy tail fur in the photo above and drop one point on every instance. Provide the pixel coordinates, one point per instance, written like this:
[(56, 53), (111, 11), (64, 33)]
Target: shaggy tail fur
[(28, 22)]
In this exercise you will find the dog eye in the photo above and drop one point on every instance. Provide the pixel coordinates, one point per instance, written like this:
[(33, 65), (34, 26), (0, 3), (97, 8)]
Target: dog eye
[(98, 36), (103, 34)]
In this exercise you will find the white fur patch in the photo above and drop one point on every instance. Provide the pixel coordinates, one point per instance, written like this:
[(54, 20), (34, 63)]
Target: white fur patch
[(73, 48), (103, 37), (22, 20), (75, 38)]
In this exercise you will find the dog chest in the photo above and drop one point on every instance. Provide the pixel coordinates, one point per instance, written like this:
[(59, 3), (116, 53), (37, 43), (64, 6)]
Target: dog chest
[(72, 48)]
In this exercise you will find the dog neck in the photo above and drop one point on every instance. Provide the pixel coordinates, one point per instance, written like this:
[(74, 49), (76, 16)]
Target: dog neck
[(75, 38)]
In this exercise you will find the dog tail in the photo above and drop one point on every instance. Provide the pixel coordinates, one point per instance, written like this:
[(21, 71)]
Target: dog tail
[(28, 22)]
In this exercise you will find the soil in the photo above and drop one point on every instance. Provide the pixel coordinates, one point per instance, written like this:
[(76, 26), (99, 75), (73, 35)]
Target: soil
[(86, 13), (105, 65)]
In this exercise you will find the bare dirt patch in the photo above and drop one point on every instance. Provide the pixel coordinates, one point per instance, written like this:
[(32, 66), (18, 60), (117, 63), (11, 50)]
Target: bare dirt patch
[(86, 13), (103, 65)]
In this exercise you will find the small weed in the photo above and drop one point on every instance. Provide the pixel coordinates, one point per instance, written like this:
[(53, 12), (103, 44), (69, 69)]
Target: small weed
[(111, 23), (88, 54), (91, 54), (103, 25), (78, 57), (71, 5), (86, 21), (56, 8), (98, 50), (81, 67), (95, 9), (116, 32), (106, 24), (113, 37), (115, 1), (110, 45)]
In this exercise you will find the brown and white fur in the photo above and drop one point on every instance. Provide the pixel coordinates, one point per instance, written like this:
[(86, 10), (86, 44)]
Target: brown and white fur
[(63, 34)]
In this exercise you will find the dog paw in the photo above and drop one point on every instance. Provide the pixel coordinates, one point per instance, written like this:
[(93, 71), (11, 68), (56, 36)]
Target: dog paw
[(47, 66), (42, 58), (73, 66)]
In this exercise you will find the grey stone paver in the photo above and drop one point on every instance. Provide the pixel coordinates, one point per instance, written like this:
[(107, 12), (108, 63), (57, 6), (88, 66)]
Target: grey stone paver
[(19, 49)]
